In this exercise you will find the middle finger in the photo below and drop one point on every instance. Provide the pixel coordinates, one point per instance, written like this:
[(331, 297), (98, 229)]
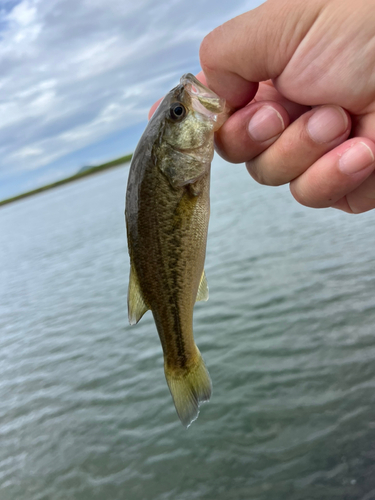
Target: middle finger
[(300, 145)]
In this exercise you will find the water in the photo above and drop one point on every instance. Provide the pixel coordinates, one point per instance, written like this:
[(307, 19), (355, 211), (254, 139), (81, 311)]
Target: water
[(288, 336)]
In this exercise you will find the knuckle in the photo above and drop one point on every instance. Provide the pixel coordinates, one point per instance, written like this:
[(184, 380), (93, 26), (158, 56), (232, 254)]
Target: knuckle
[(309, 196), (269, 169), (359, 204), (282, 163), (205, 51), (258, 173), (299, 195)]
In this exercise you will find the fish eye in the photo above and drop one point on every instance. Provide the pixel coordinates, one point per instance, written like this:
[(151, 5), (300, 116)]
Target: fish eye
[(177, 111)]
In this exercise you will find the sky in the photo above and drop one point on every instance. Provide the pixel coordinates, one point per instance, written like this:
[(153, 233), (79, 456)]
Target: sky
[(77, 77)]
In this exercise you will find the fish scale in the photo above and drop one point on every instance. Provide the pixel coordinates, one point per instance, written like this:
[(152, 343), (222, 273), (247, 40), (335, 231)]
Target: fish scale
[(167, 213)]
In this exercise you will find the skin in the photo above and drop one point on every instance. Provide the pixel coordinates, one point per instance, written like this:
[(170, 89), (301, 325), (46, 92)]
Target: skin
[(299, 76)]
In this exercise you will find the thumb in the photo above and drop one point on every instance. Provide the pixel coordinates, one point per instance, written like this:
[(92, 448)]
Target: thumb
[(254, 47)]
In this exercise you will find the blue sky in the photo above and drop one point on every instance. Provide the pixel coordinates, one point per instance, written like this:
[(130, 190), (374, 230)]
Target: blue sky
[(77, 77)]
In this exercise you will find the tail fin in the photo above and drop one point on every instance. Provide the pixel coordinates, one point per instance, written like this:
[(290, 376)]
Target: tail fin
[(189, 389)]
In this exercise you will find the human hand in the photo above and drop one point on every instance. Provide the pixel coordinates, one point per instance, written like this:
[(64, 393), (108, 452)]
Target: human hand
[(311, 120)]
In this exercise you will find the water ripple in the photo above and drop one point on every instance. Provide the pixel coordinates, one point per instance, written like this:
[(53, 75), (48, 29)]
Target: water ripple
[(287, 335)]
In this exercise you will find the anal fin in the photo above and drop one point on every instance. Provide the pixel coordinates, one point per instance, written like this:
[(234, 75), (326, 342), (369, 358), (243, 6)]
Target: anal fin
[(202, 289), (136, 304)]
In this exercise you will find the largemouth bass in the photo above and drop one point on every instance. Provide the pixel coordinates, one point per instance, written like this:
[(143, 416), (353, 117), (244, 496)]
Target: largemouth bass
[(167, 212)]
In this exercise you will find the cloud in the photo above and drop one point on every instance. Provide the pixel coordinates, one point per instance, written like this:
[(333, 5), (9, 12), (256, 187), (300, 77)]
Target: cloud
[(73, 72)]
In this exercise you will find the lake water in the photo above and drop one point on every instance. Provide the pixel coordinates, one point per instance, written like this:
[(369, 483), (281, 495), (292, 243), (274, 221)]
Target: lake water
[(288, 336)]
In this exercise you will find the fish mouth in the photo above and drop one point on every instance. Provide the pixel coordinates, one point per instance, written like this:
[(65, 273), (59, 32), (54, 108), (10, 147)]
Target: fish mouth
[(204, 101)]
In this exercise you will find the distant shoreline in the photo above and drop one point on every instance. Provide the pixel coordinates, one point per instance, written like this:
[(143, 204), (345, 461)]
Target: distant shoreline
[(79, 175)]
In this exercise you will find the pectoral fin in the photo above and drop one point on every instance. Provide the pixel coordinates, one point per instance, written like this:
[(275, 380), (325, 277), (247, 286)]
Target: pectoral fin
[(136, 304), (203, 288)]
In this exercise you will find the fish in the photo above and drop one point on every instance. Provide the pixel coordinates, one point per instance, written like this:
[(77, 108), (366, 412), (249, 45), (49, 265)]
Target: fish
[(167, 213)]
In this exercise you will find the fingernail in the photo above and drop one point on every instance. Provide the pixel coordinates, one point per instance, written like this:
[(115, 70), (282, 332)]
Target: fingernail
[(326, 124), (265, 124), (356, 158)]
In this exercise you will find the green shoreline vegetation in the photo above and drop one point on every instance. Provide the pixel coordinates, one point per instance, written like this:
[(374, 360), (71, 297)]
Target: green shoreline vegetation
[(85, 171)]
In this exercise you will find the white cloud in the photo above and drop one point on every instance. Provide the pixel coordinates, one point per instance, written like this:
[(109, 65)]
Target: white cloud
[(74, 71), (28, 151), (23, 14)]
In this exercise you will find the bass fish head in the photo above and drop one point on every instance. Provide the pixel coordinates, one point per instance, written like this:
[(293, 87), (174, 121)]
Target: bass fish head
[(191, 113)]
